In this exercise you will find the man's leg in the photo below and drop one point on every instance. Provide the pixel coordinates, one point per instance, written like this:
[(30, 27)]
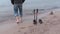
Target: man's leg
[(16, 13), (20, 12), (17, 19)]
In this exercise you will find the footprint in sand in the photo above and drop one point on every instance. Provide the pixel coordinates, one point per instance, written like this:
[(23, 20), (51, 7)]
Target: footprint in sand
[(22, 27), (30, 26)]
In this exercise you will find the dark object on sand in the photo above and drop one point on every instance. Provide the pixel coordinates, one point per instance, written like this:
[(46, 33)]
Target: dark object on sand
[(17, 22), (40, 21), (51, 13), (34, 21), (35, 16)]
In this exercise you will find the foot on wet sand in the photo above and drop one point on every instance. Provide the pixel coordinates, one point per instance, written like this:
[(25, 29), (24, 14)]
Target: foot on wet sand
[(17, 22)]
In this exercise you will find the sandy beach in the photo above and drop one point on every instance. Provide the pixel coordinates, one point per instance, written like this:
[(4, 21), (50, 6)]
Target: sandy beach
[(51, 25)]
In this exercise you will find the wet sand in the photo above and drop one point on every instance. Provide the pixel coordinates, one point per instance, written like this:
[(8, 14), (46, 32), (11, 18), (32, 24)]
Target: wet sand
[(51, 25)]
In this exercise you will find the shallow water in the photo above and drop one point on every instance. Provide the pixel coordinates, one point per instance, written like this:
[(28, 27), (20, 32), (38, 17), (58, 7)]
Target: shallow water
[(6, 8)]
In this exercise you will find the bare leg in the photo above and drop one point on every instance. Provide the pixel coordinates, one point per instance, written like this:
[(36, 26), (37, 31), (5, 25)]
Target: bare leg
[(17, 19)]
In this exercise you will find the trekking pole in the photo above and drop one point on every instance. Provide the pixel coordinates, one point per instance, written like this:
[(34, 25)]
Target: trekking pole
[(34, 21), (36, 14)]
